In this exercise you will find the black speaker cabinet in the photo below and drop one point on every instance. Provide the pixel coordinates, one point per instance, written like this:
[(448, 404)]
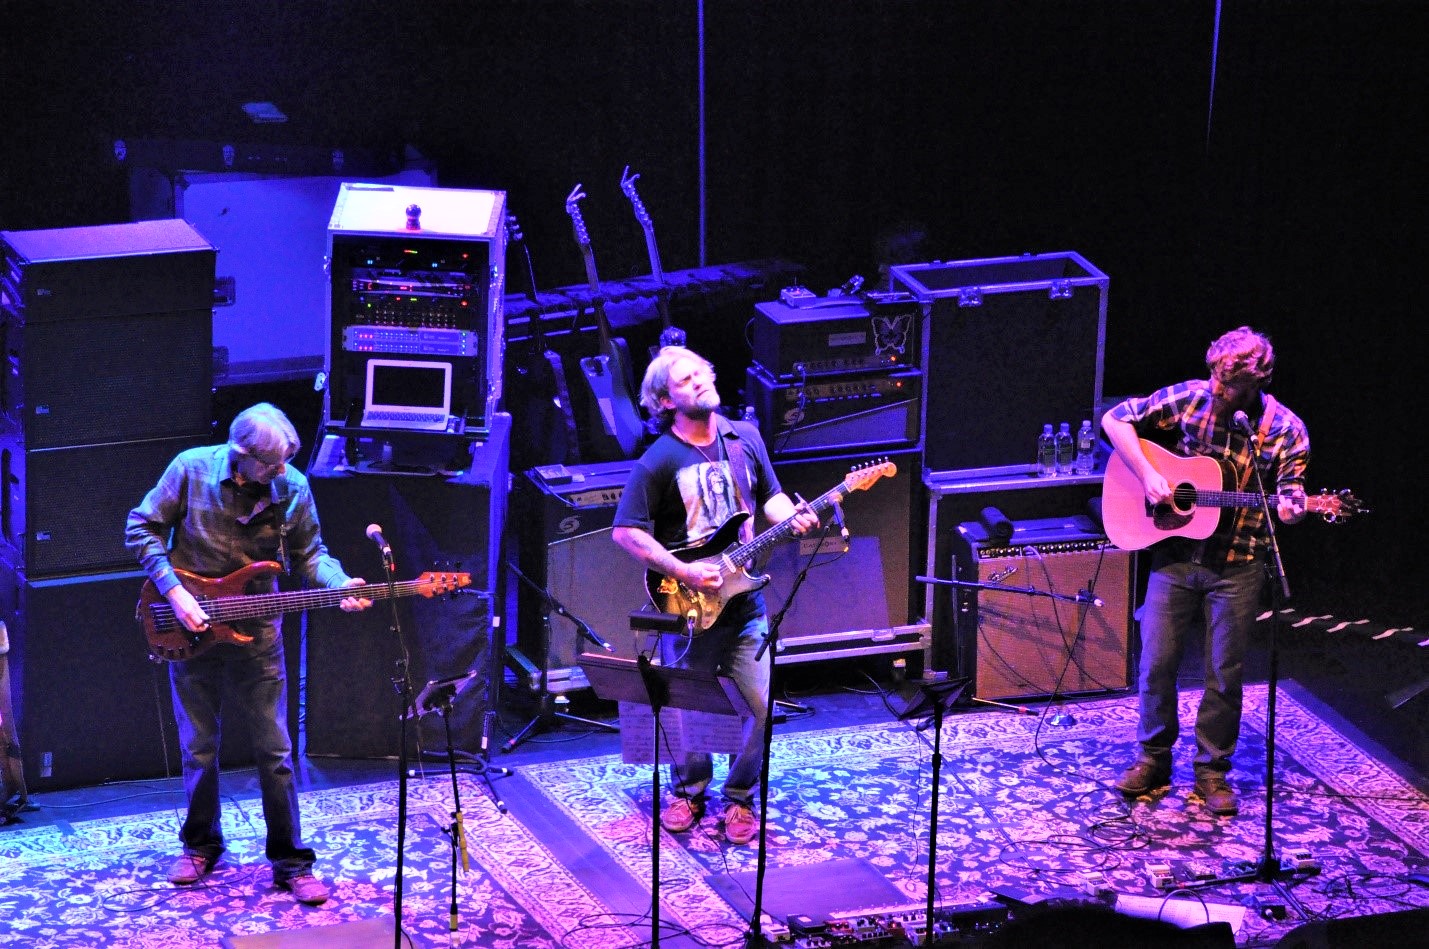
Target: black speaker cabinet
[(1010, 344), (877, 411), (1026, 634), (853, 603), (64, 509), (92, 707), (434, 523), (566, 551), (108, 333)]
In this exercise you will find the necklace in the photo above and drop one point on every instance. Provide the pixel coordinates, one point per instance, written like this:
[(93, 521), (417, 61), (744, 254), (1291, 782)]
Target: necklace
[(718, 450)]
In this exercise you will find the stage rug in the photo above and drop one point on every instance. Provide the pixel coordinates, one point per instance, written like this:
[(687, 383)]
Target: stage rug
[(1027, 806), (102, 882)]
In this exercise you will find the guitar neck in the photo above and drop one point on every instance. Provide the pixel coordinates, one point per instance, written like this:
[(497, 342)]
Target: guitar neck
[(1245, 499), (229, 609), (748, 553)]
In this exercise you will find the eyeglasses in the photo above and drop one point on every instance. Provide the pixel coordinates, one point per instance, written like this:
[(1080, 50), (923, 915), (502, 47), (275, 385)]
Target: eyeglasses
[(264, 462)]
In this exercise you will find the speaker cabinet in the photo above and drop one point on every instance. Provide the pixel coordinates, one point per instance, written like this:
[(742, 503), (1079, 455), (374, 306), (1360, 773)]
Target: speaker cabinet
[(848, 603), (566, 551), (1034, 639), (91, 705), (434, 523), (1010, 344), (63, 510)]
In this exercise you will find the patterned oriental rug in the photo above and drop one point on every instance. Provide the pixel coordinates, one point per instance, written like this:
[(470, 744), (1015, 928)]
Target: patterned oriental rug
[(1025, 806), (1028, 807)]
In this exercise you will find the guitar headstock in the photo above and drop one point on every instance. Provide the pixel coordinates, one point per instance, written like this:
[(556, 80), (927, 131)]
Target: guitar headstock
[(434, 583), (627, 184), (573, 208), (863, 477), (1335, 506)]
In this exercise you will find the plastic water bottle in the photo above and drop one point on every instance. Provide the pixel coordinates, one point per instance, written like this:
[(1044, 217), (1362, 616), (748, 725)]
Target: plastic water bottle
[(1046, 452), (1086, 461), (1065, 449)]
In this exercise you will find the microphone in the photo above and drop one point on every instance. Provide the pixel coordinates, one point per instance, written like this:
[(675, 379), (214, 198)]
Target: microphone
[(1087, 596), (374, 534), (1241, 421), (839, 520)]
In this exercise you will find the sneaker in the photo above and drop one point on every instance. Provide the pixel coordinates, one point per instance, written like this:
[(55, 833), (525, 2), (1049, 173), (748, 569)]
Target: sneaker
[(1143, 778), (189, 869), (305, 888), (1217, 794), (682, 814), (740, 825)]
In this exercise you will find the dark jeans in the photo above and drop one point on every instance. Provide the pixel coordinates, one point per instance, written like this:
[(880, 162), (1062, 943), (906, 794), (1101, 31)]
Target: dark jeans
[(1185, 599), (257, 689)]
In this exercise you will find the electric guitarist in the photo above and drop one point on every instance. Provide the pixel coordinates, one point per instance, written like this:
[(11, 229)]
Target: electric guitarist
[(214, 511), (701, 471), (1209, 589), (615, 429)]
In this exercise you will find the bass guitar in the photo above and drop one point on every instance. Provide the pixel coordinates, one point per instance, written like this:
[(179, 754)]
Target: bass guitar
[(225, 603), (670, 335), (669, 595), (617, 429), (1200, 493)]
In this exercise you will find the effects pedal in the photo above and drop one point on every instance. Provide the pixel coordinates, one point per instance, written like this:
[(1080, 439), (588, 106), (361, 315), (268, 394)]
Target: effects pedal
[(1160, 876)]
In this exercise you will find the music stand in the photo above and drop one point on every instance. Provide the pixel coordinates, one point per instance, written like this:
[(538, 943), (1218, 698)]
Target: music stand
[(616, 679), (932, 697)]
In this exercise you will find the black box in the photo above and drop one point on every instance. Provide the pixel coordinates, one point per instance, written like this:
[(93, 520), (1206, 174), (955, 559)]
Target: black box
[(835, 335), (1010, 343), (863, 411)]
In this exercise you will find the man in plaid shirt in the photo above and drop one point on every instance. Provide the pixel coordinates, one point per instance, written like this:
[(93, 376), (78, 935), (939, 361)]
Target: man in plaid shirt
[(1213, 586)]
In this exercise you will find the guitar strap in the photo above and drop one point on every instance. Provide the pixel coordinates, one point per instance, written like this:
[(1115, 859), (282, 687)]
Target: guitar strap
[(1267, 403), (737, 461)]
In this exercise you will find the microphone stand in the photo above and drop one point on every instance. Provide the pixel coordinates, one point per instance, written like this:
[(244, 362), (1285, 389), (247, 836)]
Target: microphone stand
[(1270, 869), (402, 681), (545, 712)]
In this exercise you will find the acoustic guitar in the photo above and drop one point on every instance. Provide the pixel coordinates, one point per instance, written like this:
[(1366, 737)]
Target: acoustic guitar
[(669, 595), (225, 603), (1200, 493), (616, 428)]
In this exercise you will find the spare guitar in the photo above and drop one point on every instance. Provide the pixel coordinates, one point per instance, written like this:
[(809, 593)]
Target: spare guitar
[(670, 335), (669, 595), (616, 427), (1199, 485), (544, 372), (225, 602)]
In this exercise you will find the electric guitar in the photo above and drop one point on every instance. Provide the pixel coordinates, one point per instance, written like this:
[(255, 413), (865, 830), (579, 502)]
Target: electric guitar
[(547, 375), (669, 595), (617, 429), (225, 602), (670, 335), (1200, 493)]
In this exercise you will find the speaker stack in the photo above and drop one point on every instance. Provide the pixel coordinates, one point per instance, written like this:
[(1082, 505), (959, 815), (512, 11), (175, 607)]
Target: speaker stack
[(108, 340)]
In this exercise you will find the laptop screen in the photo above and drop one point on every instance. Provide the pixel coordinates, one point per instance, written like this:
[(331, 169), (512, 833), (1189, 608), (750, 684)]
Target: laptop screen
[(408, 393)]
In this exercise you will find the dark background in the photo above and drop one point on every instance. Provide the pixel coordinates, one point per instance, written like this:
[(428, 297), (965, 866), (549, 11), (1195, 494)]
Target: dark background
[(1283, 190)]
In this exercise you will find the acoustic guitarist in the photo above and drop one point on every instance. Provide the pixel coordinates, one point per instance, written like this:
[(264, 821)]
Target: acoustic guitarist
[(214, 511), (702, 470), (1210, 587)]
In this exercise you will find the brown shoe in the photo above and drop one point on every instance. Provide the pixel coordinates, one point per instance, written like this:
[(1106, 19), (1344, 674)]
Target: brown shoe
[(1143, 778), (740, 824), (189, 869), (1220, 799), (305, 888), (682, 814)]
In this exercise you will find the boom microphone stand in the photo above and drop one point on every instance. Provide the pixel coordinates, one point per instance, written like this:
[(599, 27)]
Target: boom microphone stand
[(1270, 869), (545, 712)]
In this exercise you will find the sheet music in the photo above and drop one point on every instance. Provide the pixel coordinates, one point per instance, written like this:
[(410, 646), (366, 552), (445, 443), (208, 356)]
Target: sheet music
[(683, 730)]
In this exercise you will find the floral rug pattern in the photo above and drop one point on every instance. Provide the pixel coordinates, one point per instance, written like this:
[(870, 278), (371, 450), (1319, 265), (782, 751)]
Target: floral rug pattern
[(1029, 805)]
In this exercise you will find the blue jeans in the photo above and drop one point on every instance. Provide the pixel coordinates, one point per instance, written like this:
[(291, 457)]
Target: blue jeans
[(1182, 599), (728, 647), (258, 690)]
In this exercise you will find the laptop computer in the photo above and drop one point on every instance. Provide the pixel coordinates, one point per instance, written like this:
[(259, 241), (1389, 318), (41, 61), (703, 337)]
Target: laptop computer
[(414, 394)]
